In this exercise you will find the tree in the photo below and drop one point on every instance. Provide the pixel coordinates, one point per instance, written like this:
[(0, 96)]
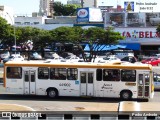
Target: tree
[(98, 38), (65, 10), (70, 9), (6, 32), (42, 38), (95, 37)]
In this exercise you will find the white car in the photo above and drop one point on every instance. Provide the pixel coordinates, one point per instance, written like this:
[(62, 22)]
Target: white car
[(56, 59), (110, 59), (50, 55), (35, 56), (71, 59), (13, 58)]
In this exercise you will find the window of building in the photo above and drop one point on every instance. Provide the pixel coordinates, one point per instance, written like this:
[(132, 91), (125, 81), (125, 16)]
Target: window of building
[(58, 73), (128, 75), (14, 72), (43, 73), (27, 23), (72, 73), (111, 75), (18, 23), (35, 23)]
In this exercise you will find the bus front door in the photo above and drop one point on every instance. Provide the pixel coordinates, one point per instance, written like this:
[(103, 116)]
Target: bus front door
[(143, 85), (29, 82), (86, 83)]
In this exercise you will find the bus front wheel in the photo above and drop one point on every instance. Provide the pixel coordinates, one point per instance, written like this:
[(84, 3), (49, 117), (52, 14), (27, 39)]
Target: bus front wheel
[(52, 93), (125, 95)]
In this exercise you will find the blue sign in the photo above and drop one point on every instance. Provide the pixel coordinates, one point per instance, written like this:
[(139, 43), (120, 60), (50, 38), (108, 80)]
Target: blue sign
[(83, 15)]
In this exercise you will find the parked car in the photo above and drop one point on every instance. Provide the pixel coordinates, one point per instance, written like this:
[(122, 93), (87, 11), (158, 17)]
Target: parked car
[(71, 59), (13, 58), (35, 56), (50, 55), (66, 54), (110, 59), (4, 55), (157, 81), (130, 59), (56, 59), (154, 62), (148, 59)]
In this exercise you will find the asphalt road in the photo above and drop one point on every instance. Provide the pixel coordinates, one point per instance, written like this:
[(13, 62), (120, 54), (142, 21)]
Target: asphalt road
[(43, 103)]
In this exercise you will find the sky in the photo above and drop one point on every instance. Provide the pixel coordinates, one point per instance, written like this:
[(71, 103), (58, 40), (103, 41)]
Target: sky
[(24, 7)]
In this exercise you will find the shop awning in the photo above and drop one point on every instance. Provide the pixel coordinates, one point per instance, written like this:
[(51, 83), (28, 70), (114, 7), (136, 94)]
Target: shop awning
[(104, 47), (131, 46)]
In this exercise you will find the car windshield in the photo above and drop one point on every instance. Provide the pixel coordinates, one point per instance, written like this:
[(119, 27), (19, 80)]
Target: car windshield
[(35, 53), (148, 59), (5, 52), (10, 57), (68, 57), (106, 58)]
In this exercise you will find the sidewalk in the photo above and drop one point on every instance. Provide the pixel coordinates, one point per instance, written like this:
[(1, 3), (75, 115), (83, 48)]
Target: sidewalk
[(14, 107)]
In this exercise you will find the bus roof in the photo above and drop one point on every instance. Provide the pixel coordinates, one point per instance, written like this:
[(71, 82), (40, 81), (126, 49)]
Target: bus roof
[(78, 65)]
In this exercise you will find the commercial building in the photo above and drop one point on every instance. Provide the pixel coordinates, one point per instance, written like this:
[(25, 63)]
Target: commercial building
[(46, 7), (137, 28)]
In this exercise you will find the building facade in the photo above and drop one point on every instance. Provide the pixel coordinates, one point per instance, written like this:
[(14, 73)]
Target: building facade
[(137, 28), (46, 7), (77, 2)]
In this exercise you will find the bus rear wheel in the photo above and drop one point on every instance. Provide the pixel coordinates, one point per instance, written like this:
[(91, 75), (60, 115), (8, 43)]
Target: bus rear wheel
[(126, 95), (52, 93)]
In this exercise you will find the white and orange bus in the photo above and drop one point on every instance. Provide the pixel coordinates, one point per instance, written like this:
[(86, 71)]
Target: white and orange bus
[(79, 79)]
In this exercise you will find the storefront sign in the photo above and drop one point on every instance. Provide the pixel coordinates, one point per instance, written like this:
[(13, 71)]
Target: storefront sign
[(141, 34)]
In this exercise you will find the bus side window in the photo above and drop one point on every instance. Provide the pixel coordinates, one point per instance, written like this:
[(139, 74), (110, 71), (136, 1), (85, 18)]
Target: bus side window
[(128, 75), (14, 72), (72, 73), (52, 74), (99, 74), (107, 76), (43, 73), (59, 73), (116, 75), (111, 75)]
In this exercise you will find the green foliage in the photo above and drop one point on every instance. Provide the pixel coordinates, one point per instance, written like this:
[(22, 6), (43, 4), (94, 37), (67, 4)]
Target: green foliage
[(94, 36), (97, 36), (6, 31), (58, 8), (65, 10), (70, 9)]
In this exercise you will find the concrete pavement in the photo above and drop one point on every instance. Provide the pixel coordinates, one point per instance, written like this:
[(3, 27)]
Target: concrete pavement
[(14, 107)]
